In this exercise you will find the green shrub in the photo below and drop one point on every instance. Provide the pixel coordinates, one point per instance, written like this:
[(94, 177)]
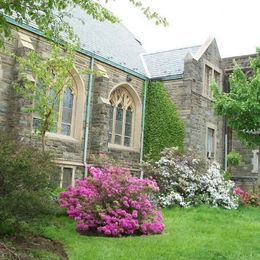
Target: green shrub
[(234, 159), (227, 175), (163, 126), (24, 183)]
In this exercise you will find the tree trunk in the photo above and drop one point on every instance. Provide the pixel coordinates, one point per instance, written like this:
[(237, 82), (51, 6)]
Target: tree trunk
[(43, 142)]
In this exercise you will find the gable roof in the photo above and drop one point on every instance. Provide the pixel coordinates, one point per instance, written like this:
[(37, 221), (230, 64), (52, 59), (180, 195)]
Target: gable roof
[(111, 41), (115, 45), (168, 63)]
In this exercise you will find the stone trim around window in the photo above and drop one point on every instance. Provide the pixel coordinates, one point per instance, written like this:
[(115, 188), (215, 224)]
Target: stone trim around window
[(210, 72), (125, 95), (211, 141), (78, 91)]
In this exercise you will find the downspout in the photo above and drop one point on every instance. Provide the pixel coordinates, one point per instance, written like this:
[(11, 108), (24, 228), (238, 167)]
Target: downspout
[(225, 88), (87, 119), (225, 144), (142, 130)]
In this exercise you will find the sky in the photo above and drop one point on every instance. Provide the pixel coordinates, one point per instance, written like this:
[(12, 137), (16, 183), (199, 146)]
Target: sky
[(234, 23)]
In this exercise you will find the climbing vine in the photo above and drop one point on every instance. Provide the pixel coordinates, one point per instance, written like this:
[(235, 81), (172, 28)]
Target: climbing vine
[(163, 126)]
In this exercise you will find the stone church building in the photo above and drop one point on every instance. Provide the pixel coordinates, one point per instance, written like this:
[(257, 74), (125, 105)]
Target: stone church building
[(103, 114)]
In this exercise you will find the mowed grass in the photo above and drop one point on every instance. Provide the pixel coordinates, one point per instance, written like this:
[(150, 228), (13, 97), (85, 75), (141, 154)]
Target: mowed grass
[(195, 233)]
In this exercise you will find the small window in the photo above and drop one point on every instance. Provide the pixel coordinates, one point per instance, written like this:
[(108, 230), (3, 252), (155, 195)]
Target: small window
[(217, 77), (65, 178), (208, 79), (121, 115), (211, 143), (211, 73)]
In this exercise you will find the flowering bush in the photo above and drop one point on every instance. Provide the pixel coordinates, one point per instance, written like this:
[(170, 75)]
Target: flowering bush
[(186, 181), (247, 198), (114, 203)]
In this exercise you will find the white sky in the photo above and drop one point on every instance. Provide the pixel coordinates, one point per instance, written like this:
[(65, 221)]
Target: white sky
[(234, 23)]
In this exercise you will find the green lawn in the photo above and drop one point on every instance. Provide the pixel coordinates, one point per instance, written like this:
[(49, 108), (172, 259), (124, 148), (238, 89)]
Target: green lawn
[(196, 233)]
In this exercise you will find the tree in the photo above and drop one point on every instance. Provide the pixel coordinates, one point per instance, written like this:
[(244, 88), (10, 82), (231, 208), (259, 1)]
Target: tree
[(241, 106), (50, 15), (51, 75)]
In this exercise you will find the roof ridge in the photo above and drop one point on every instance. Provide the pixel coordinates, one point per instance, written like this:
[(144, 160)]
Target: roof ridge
[(148, 53)]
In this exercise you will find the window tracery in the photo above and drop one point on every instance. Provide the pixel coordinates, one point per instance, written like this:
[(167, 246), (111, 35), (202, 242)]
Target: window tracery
[(121, 116)]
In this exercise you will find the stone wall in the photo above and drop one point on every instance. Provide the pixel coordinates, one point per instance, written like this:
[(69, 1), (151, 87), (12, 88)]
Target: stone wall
[(202, 112), (103, 86), (7, 76), (194, 107), (228, 63)]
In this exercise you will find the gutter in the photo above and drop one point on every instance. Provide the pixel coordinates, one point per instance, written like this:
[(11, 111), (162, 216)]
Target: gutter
[(142, 130), (169, 77), (87, 120)]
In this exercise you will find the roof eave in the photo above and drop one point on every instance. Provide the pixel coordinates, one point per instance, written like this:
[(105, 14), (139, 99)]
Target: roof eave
[(169, 77)]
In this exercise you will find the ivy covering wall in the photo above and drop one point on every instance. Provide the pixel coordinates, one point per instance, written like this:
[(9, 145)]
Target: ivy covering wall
[(163, 126)]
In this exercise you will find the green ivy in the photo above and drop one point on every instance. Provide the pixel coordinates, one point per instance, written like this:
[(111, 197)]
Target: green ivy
[(163, 126)]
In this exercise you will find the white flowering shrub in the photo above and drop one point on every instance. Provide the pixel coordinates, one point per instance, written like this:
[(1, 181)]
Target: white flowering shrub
[(186, 181)]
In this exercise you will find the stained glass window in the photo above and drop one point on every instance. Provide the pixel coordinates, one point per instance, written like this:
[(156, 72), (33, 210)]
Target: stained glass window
[(67, 112), (128, 127), (63, 109), (120, 117)]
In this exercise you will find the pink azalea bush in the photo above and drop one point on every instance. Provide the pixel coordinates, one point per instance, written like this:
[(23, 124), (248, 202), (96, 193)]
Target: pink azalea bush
[(247, 198), (112, 202)]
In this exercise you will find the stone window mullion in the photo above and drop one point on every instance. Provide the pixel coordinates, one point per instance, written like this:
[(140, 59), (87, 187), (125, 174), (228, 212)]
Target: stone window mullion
[(114, 124), (59, 115), (123, 127), (133, 127)]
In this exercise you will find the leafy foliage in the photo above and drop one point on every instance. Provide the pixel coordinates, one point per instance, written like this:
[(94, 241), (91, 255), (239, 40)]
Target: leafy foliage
[(114, 203), (51, 75), (186, 181), (50, 16), (241, 105), (233, 158), (163, 127), (24, 183)]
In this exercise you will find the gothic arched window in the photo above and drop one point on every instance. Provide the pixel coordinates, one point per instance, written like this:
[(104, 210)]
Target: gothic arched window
[(63, 113), (69, 110), (121, 117)]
